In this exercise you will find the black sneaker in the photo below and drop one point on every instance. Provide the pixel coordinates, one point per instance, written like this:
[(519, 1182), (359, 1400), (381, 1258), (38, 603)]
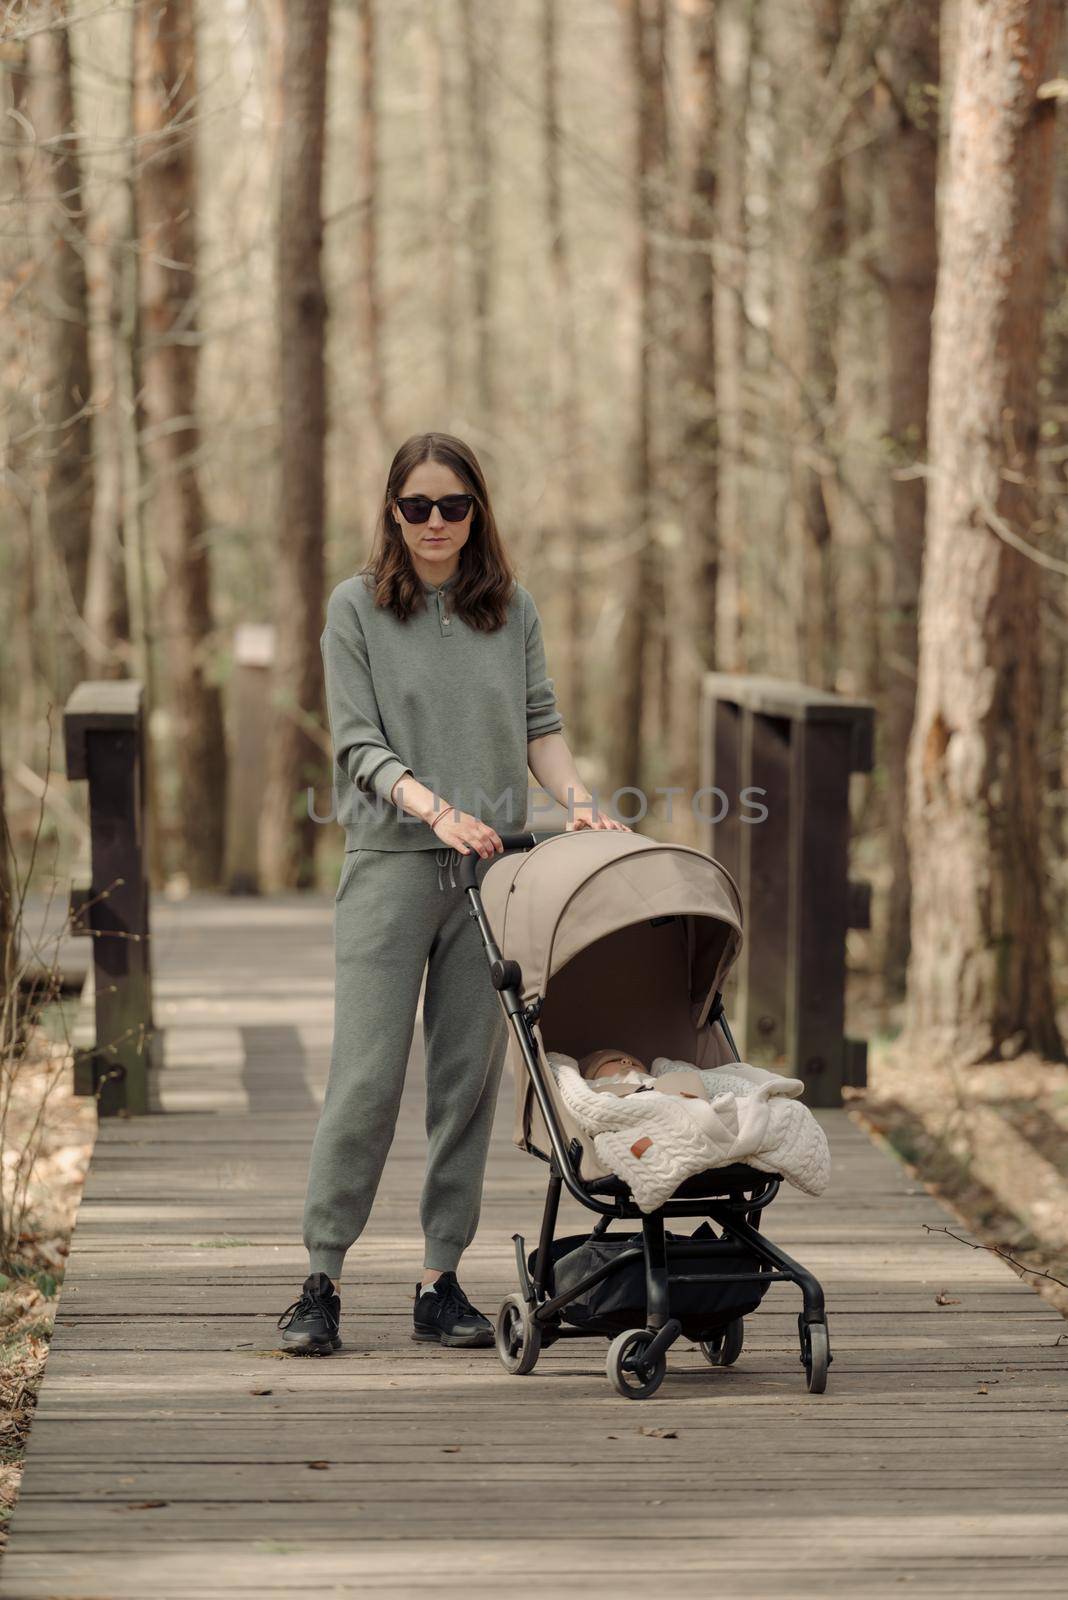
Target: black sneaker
[(444, 1313), (314, 1319)]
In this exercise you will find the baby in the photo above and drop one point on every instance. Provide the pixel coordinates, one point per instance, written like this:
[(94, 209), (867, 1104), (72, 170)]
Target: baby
[(621, 1073), (609, 1064), (617, 1072)]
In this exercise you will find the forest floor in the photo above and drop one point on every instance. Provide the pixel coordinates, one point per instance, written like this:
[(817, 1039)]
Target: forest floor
[(990, 1141)]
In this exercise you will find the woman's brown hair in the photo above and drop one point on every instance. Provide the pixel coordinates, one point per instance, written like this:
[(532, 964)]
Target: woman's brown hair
[(485, 580)]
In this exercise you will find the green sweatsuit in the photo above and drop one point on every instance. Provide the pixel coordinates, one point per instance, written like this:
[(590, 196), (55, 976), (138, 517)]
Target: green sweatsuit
[(456, 708)]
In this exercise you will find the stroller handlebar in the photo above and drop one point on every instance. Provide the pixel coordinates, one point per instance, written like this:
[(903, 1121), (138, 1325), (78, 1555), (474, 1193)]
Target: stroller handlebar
[(522, 841), (463, 868)]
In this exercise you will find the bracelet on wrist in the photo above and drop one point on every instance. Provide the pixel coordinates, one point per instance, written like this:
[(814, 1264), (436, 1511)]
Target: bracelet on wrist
[(439, 816)]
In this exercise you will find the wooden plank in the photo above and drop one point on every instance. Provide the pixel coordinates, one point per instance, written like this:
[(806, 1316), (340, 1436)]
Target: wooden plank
[(933, 1462)]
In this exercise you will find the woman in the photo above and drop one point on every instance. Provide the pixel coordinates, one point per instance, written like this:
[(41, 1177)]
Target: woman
[(439, 699)]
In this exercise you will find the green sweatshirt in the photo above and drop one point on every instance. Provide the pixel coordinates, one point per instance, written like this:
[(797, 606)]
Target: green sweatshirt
[(451, 705)]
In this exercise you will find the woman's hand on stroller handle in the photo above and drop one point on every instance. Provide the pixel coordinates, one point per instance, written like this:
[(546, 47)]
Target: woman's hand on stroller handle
[(467, 834)]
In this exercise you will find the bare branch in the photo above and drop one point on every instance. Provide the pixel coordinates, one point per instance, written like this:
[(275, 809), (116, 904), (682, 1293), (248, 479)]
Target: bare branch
[(997, 1251)]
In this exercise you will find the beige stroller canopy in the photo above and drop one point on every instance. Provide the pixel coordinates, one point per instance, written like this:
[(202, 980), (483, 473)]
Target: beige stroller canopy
[(548, 904), (627, 941)]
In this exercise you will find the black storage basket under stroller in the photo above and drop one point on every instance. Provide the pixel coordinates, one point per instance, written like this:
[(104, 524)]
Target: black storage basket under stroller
[(704, 1307)]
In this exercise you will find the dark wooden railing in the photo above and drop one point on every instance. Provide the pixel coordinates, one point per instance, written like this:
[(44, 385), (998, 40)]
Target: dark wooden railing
[(766, 743), (799, 746), (104, 735)]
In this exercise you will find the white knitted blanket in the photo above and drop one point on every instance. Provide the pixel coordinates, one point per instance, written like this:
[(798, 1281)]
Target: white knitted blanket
[(751, 1116)]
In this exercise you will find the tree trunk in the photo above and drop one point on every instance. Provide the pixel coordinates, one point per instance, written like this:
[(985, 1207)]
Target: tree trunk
[(57, 219), (855, 487), (25, 644), (165, 113), (132, 399), (107, 611), (696, 470), (663, 409), (826, 249), (1054, 587), (369, 315), (565, 381), (979, 983), (296, 766), (809, 202), (8, 928), (479, 224), (439, 167), (907, 110), (643, 578), (734, 32)]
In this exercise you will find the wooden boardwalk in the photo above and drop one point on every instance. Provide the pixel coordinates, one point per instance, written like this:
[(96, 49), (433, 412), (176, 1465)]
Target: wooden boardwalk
[(174, 1454)]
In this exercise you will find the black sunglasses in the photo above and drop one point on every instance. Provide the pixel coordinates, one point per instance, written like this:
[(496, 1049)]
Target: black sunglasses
[(453, 507)]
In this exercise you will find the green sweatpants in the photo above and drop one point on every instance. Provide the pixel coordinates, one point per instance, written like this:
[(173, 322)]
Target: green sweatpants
[(392, 921)]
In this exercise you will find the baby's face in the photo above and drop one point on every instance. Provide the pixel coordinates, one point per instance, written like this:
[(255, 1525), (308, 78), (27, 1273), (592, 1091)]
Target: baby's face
[(614, 1065)]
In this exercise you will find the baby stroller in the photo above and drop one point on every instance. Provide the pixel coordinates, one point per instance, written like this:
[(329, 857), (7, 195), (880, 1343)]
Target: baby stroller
[(593, 938)]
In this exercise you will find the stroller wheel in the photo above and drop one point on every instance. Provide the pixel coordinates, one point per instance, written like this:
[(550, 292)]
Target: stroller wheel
[(518, 1336), (627, 1373), (816, 1355), (724, 1348)]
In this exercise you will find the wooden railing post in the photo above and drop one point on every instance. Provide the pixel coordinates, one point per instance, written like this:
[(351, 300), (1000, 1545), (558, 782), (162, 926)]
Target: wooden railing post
[(104, 734), (789, 748)]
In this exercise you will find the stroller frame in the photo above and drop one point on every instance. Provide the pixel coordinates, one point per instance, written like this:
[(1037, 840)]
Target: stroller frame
[(732, 1197)]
